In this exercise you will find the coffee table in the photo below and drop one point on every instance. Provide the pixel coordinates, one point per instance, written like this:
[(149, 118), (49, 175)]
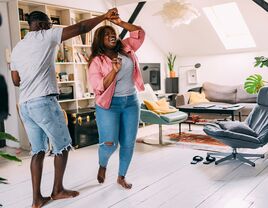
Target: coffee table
[(211, 108)]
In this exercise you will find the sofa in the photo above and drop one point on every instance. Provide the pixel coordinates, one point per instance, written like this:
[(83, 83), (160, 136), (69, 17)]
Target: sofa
[(219, 95)]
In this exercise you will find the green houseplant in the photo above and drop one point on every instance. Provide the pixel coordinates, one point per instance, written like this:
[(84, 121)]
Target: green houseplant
[(5, 155), (255, 82), (171, 60), (3, 115)]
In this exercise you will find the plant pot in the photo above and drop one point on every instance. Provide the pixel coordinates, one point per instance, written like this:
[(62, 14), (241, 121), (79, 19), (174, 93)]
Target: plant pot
[(172, 73)]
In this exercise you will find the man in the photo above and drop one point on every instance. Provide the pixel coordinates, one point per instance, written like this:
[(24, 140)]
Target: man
[(33, 70)]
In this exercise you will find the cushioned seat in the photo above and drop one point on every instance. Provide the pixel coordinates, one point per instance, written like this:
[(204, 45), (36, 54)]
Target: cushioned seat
[(149, 116), (173, 117), (253, 133)]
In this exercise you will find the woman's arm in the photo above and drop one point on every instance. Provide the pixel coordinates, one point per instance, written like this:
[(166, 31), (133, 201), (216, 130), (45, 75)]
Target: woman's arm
[(137, 34), (128, 26)]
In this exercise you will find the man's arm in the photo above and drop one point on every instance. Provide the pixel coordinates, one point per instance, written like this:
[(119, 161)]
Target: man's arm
[(15, 78), (87, 25)]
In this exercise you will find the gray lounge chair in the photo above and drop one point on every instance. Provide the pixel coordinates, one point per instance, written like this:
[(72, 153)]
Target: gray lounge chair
[(253, 133)]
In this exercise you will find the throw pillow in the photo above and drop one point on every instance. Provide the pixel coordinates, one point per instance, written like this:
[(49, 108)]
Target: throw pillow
[(238, 127), (160, 107), (196, 97)]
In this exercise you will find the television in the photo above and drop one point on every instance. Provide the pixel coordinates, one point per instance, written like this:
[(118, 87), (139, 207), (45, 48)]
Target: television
[(151, 74)]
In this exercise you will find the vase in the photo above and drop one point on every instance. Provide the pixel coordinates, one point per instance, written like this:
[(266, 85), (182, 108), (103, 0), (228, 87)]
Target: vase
[(172, 73)]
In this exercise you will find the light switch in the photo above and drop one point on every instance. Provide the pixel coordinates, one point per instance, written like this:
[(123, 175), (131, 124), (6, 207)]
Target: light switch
[(8, 55)]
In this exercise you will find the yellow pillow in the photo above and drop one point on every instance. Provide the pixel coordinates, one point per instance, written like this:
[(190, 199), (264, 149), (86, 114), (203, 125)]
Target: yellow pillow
[(160, 107), (196, 97)]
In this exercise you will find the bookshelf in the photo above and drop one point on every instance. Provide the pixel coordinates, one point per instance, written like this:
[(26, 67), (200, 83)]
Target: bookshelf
[(71, 59)]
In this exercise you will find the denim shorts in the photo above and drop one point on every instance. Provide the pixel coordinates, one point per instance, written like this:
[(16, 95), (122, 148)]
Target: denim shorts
[(44, 122)]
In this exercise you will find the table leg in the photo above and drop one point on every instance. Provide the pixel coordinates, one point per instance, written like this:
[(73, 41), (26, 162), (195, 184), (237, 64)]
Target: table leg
[(189, 123), (240, 116), (233, 116)]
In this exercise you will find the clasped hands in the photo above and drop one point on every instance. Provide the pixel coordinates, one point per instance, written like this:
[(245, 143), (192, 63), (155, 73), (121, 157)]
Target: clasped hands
[(113, 16)]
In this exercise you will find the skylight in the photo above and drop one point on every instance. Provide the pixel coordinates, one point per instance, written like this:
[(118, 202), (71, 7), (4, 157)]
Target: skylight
[(230, 26)]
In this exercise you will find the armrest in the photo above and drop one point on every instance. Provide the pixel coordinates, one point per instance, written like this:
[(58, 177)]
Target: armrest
[(182, 99)]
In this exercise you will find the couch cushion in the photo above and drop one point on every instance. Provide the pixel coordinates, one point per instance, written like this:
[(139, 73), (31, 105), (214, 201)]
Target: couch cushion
[(196, 97), (243, 97), (220, 93), (173, 117), (238, 127)]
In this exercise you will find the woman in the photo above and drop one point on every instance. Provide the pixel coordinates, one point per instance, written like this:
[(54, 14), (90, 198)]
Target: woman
[(113, 74)]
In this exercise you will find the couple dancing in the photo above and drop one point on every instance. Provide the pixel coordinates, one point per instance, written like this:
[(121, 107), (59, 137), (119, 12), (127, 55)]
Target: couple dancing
[(114, 76)]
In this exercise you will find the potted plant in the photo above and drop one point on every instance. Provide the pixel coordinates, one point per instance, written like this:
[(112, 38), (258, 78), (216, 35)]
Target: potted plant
[(5, 154), (171, 60), (255, 82), (3, 115)]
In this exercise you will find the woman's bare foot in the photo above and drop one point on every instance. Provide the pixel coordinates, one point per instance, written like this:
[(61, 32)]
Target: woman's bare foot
[(41, 202), (101, 174), (63, 194), (121, 180)]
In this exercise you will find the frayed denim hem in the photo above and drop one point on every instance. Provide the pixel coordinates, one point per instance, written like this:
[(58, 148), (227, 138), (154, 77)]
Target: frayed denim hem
[(37, 152), (67, 148)]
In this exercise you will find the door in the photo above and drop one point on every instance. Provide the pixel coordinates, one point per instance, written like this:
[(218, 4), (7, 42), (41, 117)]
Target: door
[(11, 124)]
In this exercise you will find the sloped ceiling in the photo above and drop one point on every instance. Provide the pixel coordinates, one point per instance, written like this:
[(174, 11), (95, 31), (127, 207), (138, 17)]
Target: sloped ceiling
[(198, 38)]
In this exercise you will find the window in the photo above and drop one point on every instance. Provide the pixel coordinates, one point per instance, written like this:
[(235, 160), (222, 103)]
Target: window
[(230, 26)]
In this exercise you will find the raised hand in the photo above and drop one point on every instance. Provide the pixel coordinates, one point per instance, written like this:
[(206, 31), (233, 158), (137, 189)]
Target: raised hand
[(116, 21), (111, 14), (117, 62)]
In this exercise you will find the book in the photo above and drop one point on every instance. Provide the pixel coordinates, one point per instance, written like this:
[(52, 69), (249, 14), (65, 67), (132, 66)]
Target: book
[(204, 105)]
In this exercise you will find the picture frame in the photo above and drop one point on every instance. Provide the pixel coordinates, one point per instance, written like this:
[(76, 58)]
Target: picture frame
[(55, 20), (192, 76)]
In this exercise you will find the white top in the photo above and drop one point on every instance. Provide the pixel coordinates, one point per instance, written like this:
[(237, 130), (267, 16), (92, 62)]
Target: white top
[(34, 59)]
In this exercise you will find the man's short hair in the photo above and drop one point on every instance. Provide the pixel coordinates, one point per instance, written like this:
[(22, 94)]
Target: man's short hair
[(37, 16)]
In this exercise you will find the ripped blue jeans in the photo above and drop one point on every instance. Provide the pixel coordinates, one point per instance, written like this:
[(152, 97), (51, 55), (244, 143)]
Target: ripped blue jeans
[(43, 119), (118, 125)]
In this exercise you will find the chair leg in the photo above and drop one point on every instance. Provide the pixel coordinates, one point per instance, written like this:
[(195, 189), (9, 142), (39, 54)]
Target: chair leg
[(235, 155), (251, 155), (229, 157), (241, 158), (160, 135), (160, 138)]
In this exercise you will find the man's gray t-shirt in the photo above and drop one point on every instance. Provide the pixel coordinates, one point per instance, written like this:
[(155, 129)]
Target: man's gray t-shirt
[(34, 59)]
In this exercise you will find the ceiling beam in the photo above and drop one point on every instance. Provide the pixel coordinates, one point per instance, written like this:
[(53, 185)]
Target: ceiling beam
[(262, 4), (133, 17)]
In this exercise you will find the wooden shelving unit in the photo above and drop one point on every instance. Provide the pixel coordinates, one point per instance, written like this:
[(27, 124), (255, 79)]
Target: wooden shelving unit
[(72, 56)]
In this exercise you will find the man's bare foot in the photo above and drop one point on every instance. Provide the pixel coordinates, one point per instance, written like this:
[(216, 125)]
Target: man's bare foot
[(101, 174), (41, 202), (121, 180), (63, 194)]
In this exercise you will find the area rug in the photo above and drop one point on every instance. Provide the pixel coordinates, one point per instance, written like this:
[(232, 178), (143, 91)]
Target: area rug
[(194, 138)]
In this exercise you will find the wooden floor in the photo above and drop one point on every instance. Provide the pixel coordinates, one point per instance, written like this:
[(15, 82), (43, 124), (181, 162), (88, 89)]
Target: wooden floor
[(161, 177)]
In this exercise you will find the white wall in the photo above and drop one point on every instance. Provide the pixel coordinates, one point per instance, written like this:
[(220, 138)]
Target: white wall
[(231, 69)]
